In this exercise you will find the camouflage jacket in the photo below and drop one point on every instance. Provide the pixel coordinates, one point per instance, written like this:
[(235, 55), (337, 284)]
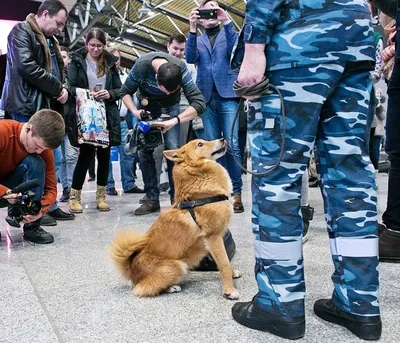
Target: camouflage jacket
[(309, 32)]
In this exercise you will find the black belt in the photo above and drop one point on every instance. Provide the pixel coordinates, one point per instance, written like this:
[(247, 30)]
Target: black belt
[(122, 118)]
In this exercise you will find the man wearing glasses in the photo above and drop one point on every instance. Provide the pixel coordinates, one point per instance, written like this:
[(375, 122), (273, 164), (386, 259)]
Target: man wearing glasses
[(158, 78)]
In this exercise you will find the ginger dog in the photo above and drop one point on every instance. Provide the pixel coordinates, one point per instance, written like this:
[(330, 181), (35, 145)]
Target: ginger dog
[(157, 261)]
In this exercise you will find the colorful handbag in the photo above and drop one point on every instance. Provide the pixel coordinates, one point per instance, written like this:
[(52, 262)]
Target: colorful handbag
[(91, 119)]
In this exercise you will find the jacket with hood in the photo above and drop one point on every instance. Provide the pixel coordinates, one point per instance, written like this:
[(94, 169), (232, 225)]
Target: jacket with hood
[(77, 78), (29, 83)]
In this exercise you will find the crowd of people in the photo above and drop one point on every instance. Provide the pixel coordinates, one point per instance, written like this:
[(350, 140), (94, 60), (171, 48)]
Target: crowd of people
[(320, 58)]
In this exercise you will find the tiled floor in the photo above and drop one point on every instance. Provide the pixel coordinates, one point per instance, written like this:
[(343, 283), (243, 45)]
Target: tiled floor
[(69, 291)]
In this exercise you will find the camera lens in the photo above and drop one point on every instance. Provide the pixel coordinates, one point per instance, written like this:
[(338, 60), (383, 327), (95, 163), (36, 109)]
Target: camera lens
[(34, 207)]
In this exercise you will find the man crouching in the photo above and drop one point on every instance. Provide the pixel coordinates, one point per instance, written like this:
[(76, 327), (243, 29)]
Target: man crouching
[(26, 154)]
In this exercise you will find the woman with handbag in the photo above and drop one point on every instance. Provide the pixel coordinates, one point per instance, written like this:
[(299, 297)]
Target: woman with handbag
[(93, 71)]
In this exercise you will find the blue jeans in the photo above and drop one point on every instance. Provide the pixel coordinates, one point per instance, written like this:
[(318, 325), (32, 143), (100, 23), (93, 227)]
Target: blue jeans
[(125, 162), (391, 217), (69, 158), (22, 118), (217, 120), (30, 168), (146, 160)]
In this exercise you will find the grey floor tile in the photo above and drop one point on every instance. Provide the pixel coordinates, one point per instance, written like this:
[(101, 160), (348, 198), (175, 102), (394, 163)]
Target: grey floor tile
[(69, 291)]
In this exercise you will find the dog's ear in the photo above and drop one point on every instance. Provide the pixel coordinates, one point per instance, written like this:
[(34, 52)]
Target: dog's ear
[(173, 155)]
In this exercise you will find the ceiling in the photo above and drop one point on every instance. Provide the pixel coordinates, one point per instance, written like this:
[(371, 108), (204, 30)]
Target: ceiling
[(130, 28)]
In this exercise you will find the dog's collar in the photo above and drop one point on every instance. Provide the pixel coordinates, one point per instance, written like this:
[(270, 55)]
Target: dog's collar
[(194, 203)]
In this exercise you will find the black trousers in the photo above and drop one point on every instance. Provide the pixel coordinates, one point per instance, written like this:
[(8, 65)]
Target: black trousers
[(86, 154)]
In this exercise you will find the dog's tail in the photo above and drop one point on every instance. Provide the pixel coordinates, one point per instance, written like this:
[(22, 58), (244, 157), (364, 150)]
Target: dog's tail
[(123, 249)]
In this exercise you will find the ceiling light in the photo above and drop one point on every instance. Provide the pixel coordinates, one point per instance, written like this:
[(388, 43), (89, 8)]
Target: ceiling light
[(145, 10)]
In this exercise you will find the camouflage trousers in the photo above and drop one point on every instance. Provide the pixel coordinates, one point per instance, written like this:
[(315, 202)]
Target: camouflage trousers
[(326, 105)]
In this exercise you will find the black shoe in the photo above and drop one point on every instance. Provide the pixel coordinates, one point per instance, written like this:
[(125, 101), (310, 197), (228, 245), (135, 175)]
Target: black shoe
[(37, 235), (111, 191), (250, 315), (308, 214), (135, 190), (364, 327), (389, 244), (61, 215), (91, 178), (65, 195), (46, 220), (313, 182)]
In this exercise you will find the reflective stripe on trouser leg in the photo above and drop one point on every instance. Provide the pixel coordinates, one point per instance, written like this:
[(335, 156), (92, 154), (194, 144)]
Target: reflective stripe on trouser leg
[(276, 197), (349, 192)]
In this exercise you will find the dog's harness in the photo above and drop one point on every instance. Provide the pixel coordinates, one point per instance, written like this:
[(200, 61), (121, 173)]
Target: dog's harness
[(189, 205)]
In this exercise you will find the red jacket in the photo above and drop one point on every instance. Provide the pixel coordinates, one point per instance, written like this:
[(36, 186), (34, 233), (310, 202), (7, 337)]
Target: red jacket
[(12, 152)]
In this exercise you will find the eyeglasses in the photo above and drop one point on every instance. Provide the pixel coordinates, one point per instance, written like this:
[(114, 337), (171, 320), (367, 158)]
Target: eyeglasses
[(94, 46)]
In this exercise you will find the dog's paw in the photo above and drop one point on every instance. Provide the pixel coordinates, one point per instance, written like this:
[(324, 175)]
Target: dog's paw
[(174, 289), (236, 274), (233, 295)]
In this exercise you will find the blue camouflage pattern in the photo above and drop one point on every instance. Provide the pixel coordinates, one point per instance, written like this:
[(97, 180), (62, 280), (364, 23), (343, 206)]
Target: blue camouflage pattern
[(326, 106), (309, 32)]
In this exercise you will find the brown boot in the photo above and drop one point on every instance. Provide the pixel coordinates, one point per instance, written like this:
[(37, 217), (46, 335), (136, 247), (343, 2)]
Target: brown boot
[(237, 203), (101, 199), (149, 206), (74, 202)]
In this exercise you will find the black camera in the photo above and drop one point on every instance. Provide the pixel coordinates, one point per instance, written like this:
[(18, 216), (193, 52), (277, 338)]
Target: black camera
[(24, 204), (208, 13), (144, 136)]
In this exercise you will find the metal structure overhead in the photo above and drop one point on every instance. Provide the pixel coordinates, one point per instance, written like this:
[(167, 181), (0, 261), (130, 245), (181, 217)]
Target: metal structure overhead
[(136, 27)]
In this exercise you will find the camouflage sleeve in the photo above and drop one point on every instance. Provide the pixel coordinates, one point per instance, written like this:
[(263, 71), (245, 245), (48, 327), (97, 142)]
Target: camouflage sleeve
[(261, 17)]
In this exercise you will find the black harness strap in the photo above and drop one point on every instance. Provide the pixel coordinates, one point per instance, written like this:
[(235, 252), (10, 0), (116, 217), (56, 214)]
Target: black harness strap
[(189, 205)]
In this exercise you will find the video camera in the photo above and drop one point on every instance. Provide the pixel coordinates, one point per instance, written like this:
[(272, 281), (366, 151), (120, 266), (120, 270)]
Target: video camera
[(24, 204), (143, 135)]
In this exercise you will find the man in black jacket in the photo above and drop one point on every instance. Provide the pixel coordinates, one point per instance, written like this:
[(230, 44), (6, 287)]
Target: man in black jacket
[(34, 74)]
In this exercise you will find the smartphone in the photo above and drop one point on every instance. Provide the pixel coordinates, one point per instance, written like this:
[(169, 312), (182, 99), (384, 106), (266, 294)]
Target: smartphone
[(98, 87), (208, 13)]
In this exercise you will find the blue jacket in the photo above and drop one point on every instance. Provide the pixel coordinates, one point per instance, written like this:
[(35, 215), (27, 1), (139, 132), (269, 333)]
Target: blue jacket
[(213, 63)]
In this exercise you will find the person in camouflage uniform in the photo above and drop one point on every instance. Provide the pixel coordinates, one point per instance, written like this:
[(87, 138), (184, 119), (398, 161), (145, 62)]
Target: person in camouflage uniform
[(319, 55)]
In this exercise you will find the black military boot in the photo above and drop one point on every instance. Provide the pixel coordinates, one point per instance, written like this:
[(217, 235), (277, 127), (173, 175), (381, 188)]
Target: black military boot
[(364, 327), (252, 316)]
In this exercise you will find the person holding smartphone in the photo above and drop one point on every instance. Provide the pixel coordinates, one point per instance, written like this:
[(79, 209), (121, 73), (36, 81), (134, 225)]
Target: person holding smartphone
[(211, 52), (94, 68)]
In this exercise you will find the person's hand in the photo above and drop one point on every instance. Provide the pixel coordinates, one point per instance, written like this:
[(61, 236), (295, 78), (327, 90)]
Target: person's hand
[(11, 197), (193, 19), (222, 16), (63, 96), (138, 114), (388, 53), (253, 66), (102, 94), (165, 125), (32, 217)]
